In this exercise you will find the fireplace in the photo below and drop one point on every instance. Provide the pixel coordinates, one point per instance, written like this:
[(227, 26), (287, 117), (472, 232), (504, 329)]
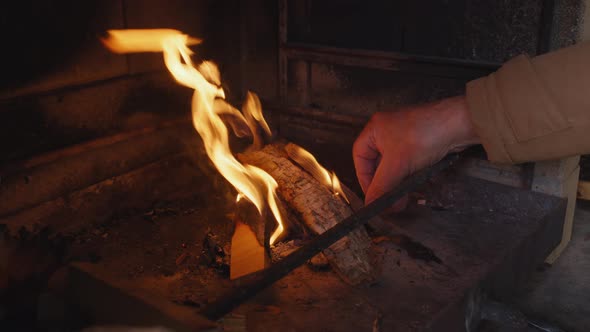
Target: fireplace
[(113, 213)]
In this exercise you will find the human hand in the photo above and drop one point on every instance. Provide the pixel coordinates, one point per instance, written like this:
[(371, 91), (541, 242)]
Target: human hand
[(394, 145)]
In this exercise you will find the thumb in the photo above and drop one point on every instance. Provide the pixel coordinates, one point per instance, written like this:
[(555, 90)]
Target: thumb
[(388, 175)]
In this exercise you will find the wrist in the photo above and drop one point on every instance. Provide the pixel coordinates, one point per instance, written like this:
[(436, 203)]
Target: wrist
[(461, 127)]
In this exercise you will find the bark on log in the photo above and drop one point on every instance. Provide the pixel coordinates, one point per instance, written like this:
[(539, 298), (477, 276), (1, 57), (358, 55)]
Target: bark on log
[(318, 209)]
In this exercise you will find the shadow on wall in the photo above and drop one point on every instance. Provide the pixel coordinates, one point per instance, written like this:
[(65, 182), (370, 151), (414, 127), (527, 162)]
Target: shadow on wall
[(40, 36)]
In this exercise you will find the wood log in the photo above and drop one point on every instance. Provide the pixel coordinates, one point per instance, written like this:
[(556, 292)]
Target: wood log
[(318, 209)]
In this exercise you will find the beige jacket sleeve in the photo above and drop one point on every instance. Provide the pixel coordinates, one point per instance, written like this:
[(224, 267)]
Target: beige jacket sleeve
[(534, 109)]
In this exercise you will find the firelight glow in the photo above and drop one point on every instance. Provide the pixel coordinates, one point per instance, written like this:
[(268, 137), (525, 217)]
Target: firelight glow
[(208, 105), (251, 182)]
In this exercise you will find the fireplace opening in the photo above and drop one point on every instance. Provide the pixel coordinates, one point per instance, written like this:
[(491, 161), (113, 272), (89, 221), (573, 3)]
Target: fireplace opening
[(187, 165)]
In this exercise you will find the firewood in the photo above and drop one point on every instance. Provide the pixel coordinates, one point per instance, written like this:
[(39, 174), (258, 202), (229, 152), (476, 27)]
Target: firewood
[(318, 208), (246, 213), (250, 246), (247, 254), (250, 241)]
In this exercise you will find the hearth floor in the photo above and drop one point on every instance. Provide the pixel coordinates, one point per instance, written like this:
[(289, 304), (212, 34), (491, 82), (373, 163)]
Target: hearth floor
[(464, 234)]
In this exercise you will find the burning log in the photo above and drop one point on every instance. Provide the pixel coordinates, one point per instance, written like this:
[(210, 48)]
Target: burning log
[(262, 280), (318, 207), (311, 193)]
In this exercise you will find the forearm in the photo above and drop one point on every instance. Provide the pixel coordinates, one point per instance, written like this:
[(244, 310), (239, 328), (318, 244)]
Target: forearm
[(535, 109)]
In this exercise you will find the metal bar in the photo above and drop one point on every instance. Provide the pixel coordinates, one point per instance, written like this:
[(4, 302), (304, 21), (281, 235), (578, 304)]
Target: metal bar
[(267, 277), (435, 66)]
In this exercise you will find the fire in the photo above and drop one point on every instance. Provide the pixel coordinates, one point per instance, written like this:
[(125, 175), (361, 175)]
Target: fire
[(210, 109), (251, 182), (308, 162), (139, 40)]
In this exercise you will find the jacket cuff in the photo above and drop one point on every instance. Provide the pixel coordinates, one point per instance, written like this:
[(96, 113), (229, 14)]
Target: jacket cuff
[(483, 119), (514, 112)]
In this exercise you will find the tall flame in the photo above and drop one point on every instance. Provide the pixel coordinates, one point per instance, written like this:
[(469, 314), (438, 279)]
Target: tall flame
[(251, 182)]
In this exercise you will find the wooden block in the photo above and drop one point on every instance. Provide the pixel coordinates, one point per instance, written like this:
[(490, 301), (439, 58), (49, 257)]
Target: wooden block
[(247, 254), (246, 212)]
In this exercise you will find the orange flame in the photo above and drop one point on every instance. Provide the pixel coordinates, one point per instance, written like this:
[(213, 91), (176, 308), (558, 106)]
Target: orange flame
[(308, 162), (139, 40), (251, 182)]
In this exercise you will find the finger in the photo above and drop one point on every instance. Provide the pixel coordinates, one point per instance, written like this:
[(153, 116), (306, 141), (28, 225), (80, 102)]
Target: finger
[(398, 206), (388, 174), (365, 156)]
